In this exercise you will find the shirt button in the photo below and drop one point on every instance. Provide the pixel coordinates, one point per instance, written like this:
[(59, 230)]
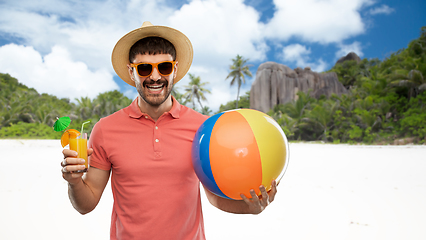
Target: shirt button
[(156, 127), (156, 140), (146, 117)]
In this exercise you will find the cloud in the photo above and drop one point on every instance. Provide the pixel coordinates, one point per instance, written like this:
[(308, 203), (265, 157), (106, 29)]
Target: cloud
[(218, 33), (84, 32), (299, 54), (219, 30), (56, 73), (296, 53), (344, 49), (221, 91), (88, 31), (316, 21), (384, 9)]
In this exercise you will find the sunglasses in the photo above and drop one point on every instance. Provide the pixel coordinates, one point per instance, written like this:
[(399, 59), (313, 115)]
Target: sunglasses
[(145, 69)]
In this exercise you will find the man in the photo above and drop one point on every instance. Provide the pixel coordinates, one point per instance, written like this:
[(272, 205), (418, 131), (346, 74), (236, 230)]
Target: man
[(147, 148)]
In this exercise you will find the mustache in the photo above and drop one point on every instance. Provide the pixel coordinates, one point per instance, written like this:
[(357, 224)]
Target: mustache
[(160, 81)]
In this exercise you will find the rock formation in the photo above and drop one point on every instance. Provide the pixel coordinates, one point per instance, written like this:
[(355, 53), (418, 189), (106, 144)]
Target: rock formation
[(350, 56), (278, 84)]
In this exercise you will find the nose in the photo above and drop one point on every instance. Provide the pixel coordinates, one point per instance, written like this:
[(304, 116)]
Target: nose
[(155, 75)]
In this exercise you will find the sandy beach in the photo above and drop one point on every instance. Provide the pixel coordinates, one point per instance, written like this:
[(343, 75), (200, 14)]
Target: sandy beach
[(331, 192)]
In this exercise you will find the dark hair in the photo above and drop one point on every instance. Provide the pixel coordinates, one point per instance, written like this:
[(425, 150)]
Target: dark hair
[(152, 46)]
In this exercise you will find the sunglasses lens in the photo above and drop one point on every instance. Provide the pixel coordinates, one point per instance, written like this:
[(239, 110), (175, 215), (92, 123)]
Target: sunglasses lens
[(144, 69), (165, 68)]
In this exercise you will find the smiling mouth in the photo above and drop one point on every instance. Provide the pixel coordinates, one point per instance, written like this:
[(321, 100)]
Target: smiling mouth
[(155, 87)]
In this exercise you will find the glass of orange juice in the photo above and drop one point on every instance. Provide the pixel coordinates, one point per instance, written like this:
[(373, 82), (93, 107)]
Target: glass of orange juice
[(79, 144)]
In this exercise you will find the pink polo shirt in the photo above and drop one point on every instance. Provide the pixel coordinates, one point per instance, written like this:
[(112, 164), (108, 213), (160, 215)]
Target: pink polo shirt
[(156, 192)]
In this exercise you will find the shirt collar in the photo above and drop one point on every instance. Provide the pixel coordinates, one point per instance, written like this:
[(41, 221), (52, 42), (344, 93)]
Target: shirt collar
[(176, 107), (135, 112)]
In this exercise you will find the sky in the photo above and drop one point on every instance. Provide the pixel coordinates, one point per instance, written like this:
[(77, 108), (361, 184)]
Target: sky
[(64, 48)]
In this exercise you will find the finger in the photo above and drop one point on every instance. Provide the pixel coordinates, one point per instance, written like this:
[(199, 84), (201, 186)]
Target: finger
[(72, 161), (72, 168), (254, 197), (265, 196), (69, 153), (273, 191), (245, 198), (89, 151), (64, 162)]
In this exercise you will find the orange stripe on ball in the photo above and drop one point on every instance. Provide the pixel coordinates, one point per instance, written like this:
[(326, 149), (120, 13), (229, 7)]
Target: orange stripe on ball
[(234, 156)]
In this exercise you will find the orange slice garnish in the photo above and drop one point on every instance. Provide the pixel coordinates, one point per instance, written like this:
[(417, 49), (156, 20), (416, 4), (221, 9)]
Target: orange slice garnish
[(70, 133)]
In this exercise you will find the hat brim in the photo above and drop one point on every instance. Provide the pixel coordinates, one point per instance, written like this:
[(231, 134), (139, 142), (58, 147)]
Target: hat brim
[(184, 51)]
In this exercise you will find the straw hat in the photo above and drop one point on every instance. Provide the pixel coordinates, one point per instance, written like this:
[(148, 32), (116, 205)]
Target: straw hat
[(120, 54)]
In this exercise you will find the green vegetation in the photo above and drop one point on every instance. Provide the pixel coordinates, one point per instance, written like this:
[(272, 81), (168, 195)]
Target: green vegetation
[(239, 70), (195, 90), (386, 101), (243, 102), (24, 113)]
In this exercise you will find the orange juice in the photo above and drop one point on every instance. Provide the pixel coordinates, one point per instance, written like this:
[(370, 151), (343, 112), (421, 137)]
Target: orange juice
[(79, 145)]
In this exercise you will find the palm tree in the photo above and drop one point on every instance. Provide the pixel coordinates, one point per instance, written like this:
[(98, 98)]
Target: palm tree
[(320, 117), (347, 72), (85, 107), (206, 111), (109, 102), (178, 96), (287, 123), (18, 111), (195, 90), (295, 111), (413, 80), (239, 70)]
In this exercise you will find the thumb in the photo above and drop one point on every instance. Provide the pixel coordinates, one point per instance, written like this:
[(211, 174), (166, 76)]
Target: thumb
[(90, 151)]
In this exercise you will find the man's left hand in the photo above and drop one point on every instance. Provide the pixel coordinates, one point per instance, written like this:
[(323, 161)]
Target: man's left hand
[(256, 204)]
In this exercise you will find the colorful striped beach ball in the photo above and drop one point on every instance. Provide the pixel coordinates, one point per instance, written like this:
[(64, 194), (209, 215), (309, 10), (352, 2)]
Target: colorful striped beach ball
[(239, 150)]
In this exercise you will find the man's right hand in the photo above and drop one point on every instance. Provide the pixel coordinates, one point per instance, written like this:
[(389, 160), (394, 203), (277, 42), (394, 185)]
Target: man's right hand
[(71, 163), (84, 190)]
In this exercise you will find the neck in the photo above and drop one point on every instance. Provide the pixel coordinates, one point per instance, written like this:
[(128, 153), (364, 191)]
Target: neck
[(155, 112)]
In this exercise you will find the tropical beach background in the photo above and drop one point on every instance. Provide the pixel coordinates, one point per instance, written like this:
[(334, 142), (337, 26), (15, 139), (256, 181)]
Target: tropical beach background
[(357, 160), (385, 96)]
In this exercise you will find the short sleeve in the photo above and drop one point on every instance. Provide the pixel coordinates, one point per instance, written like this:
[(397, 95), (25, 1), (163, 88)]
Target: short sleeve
[(99, 157)]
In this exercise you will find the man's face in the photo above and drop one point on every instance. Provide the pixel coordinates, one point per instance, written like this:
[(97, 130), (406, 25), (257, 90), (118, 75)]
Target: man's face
[(155, 88)]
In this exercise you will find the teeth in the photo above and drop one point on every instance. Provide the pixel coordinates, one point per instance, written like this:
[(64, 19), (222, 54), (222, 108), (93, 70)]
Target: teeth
[(155, 87)]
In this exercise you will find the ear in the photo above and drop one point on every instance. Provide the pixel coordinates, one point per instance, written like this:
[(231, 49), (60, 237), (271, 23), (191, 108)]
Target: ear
[(175, 72), (130, 70)]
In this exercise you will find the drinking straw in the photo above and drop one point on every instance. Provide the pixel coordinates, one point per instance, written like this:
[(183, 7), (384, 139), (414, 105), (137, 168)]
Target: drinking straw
[(82, 125)]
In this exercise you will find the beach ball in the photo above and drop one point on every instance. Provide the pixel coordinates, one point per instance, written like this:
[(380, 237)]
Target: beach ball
[(239, 150)]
